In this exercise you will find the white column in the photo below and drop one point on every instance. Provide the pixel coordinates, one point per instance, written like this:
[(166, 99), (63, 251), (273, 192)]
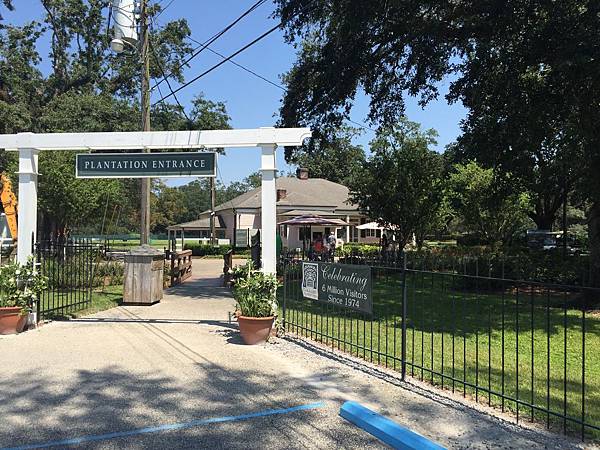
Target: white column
[(348, 239), (268, 212), (27, 216)]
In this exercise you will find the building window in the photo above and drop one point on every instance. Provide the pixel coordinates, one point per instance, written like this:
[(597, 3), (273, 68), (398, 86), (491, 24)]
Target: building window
[(370, 233)]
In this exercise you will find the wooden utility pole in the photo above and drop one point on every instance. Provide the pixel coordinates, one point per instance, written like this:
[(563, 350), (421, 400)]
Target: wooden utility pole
[(146, 182)]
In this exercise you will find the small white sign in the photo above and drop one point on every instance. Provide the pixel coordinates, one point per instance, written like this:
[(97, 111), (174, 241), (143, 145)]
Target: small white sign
[(310, 280)]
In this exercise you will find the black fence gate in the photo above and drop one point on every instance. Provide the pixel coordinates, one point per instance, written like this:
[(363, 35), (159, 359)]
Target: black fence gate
[(70, 267), (522, 346)]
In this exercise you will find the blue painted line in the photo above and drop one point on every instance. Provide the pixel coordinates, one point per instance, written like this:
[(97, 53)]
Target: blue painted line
[(167, 427), (386, 430)]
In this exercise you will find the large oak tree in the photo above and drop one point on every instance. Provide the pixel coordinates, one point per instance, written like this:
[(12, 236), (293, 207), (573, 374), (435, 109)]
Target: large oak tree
[(527, 70)]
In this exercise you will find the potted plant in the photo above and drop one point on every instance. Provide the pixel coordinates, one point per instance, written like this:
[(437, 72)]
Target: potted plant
[(20, 286), (256, 295)]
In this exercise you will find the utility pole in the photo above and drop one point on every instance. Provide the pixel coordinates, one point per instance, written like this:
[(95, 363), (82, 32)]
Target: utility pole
[(145, 99)]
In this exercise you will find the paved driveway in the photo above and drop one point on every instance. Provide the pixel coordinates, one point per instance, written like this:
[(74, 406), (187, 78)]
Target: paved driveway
[(175, 375)]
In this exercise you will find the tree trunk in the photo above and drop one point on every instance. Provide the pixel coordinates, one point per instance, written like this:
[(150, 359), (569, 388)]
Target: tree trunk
[(543, 220), (594, 238)]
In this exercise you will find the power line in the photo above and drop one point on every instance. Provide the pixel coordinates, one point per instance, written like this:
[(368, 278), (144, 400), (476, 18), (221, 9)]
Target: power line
[(206, 72), (216, 36), (273, 83), (239, 65), (206, 45), (167, 80), (162, 10)]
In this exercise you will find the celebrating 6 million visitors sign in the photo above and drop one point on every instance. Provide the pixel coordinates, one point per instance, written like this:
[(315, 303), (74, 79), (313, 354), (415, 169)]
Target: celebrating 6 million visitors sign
[(339, 284), (142, 165)]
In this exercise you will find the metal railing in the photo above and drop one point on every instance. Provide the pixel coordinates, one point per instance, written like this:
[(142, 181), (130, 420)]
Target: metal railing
[(69, 266), (525, 347)]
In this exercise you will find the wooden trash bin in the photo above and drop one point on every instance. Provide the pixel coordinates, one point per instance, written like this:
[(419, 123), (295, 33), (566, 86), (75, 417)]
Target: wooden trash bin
[(144, 268)]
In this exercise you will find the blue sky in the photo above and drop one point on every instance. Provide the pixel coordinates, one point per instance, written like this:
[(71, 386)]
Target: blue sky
[(251, 102)]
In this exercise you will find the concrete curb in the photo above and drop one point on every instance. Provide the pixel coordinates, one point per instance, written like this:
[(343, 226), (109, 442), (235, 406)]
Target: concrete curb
[(385, 429)]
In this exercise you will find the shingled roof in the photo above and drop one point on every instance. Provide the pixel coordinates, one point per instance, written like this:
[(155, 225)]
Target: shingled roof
[(310, 193)]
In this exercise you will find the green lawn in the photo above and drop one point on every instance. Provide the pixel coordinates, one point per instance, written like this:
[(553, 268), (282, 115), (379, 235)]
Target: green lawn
[(469, 333), (119, 244), (102, 299)]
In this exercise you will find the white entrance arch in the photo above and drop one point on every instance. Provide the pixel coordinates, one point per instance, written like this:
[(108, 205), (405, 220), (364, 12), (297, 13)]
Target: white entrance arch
[(30, 144)]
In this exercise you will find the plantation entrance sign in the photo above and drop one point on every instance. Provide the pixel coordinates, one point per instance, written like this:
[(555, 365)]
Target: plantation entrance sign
[(268, 139), (143, 165)]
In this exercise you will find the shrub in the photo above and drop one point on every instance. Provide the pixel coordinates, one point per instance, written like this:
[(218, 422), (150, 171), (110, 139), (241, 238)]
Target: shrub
[(470, 240), (207, 250), (356, 249), (546, 267), (20, 285), (255, 292), (115, 270)]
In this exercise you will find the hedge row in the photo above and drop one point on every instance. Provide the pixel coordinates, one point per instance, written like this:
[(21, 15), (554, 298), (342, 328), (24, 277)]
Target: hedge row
[(209, 250)]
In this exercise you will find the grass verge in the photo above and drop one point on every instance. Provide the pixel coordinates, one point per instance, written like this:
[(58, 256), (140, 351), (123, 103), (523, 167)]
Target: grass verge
[(525, 349), (102, 299)]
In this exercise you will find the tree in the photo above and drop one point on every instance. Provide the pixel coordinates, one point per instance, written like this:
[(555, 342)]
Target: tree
[(236, 188), (335, 159), (168, 206), (411, 196), (63, 199), (205, 115), (509, 60), (88, 89), (487, 203), (8, 5)]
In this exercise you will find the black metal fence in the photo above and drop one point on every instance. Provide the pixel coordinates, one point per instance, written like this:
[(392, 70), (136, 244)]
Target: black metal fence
[(526, 347), (69, 266)]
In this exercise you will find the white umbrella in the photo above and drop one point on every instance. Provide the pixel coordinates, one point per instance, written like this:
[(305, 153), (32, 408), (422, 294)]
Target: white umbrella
[(370, 226)]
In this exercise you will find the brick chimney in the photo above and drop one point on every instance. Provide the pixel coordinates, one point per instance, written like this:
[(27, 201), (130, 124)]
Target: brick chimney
[(302, 173), (281, 194)]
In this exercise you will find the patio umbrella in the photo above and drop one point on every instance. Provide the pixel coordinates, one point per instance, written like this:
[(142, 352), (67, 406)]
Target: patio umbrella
[(311, 219), (369, 226)]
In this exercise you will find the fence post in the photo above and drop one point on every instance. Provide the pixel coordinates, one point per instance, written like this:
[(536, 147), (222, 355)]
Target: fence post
[(173, 268), (38, 261), (285, 270), (404, 309)]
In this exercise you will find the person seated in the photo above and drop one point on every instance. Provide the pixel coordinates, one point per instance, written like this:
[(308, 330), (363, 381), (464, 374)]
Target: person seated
[(318, 246)]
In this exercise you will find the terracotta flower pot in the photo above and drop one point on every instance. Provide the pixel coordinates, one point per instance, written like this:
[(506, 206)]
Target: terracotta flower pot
[(11, 320), (255, 330)]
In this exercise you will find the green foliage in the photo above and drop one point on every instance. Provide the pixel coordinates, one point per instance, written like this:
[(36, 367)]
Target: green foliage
[(8, 5), (471, 240), (487, 202), (89, 88), (186, 203), (356, 249), (113, 271), (20, 285), (335, 159), (527, 72), (255, 292), (207, 250), (412, 194)]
